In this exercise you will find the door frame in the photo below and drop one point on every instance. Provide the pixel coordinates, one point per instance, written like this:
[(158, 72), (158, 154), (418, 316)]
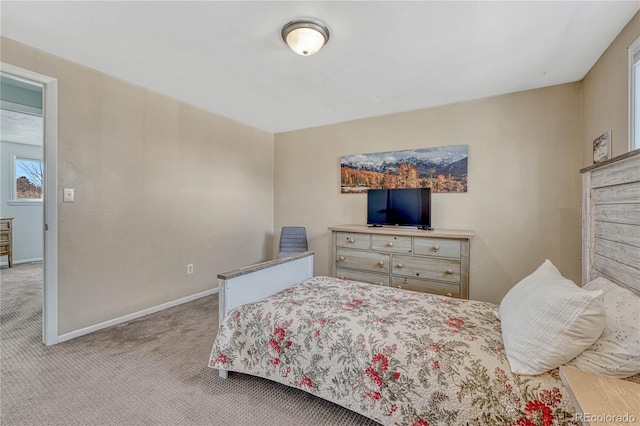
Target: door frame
[(50, 202)]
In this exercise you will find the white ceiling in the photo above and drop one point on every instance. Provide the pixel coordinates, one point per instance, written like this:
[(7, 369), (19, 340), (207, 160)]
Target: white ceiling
[(18, 127), (383, 57)]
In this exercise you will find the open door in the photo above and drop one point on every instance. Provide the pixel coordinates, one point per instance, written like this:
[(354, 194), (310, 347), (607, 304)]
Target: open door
[(46, 165)]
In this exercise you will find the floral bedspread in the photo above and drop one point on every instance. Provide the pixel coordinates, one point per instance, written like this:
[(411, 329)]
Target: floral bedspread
[(396, 356)]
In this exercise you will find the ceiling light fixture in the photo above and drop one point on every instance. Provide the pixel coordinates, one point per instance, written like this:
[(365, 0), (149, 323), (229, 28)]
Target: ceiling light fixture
[(305, 36)]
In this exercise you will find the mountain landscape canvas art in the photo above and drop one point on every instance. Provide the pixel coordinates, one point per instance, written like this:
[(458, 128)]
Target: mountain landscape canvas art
[(443, 169)]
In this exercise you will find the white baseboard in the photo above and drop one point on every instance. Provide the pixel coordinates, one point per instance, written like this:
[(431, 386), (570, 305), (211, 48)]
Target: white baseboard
[(135, 315), (17, 262)]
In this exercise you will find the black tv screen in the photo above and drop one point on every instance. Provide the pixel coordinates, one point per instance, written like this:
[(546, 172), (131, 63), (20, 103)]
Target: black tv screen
[(400, 206)]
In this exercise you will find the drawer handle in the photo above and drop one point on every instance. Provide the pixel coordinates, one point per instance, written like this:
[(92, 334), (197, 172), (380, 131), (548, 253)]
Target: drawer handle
[(449, 295), (399, 265), (390, 243), (417, 274), (380, 283), (381, 263), (341, 258), (351, 240), (436, 247), (449, 271)]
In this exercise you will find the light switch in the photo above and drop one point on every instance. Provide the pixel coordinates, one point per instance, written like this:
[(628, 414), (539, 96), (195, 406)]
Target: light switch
[(68, 195)]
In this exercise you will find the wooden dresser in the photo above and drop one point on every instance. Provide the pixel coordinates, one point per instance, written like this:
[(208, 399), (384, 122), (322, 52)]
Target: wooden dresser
[(427, 261), (6, 238)]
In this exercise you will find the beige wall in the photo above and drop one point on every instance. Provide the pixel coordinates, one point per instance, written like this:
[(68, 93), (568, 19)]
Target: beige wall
[(606, 95), (158, 184), (524, 186)]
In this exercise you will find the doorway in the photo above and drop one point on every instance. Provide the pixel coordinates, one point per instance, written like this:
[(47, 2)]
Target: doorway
[(29, 176)]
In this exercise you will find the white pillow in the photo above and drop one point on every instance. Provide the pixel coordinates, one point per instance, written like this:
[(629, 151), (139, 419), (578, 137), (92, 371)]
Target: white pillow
[(617, 352), (547, 320)]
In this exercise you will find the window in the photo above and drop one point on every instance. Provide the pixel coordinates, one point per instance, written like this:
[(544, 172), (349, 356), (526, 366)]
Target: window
[(28, 179), (634, 95)]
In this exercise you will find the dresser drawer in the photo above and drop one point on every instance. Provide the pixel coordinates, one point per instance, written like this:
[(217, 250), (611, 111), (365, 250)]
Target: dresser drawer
[(391, 243), (437, 247), (356, 259), (5, 225), (424, 286), (4, 237), (427, 268), (366, 277), (4, 249), (353, 240)]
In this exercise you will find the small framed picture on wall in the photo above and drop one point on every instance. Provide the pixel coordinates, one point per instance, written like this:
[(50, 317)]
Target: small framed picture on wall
[(602, 147)]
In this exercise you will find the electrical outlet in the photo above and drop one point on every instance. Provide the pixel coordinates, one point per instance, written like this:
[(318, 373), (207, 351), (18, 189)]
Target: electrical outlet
[(190, 269), (68, 195)]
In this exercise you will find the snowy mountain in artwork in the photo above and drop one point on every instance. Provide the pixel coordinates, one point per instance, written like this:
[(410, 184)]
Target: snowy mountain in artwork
[(443, 169)]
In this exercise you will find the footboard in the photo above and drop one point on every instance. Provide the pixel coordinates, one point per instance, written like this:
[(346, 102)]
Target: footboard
[(256, 282)]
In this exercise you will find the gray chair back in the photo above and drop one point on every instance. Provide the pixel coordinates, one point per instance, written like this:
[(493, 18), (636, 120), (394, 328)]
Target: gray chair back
[(293, 239)]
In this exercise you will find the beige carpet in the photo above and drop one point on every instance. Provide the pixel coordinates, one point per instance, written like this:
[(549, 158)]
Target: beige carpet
[(151, 371)]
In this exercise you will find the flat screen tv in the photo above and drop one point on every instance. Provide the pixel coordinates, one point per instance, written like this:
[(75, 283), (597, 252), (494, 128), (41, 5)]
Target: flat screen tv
[(400, 206)]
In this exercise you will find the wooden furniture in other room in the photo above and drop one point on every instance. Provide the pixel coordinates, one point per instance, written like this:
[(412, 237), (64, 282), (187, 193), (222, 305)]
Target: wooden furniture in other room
[(6, 238), (427, 261), (596, 396)]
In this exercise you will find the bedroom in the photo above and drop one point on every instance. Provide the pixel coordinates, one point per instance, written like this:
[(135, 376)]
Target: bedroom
[(226, 208)]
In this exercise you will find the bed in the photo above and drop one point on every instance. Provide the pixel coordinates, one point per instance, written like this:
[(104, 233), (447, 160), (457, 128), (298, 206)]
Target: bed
[(401, 357)]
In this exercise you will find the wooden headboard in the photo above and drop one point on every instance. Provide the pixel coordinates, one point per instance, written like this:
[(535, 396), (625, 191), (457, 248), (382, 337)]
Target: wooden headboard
[(611, 221)]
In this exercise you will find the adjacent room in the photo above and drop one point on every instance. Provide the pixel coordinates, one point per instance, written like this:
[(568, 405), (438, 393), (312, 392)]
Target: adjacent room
[(319, 212)]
